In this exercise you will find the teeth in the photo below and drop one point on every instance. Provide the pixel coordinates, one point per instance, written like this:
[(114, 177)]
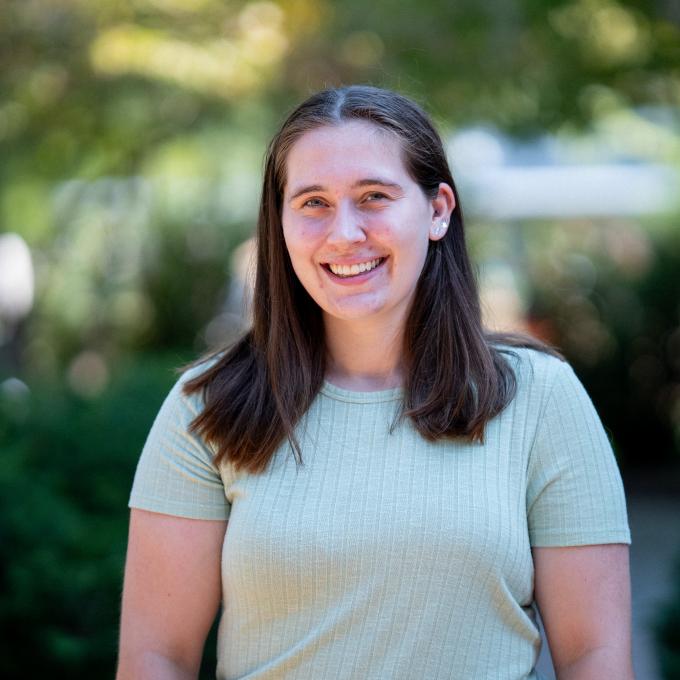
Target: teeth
[(353, 270)]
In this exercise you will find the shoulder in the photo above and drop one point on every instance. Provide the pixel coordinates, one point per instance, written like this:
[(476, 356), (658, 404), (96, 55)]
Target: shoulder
[(186, 397), (533, 367), (542, 379)]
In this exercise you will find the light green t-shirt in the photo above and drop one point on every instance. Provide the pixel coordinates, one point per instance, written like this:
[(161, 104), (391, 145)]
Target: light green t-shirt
[(387, 556)]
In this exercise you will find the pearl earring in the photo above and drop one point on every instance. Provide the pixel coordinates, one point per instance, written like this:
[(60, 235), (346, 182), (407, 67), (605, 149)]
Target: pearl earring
[(440, 228)]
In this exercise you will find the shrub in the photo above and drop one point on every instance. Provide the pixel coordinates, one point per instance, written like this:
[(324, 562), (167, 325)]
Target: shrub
[(65, 476)]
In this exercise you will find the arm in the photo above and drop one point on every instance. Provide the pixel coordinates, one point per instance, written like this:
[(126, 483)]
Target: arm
[(583, 595), (171, 594)]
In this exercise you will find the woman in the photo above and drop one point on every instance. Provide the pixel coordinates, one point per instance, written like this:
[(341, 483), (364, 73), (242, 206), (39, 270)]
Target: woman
[(443, 479)]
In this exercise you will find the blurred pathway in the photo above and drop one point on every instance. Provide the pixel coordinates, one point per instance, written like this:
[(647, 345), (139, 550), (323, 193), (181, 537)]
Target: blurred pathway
[(655, 528)]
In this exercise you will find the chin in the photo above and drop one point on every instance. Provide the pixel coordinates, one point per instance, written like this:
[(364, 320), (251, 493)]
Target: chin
[(351, 313)]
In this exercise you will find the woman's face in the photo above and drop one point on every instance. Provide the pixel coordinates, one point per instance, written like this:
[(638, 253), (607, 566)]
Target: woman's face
[(355, 223)]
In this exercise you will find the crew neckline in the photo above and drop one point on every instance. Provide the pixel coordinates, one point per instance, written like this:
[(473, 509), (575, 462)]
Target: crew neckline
[(356, 397)]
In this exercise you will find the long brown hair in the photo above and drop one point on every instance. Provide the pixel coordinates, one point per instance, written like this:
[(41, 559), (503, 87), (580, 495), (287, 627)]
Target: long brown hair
[(456, 378)]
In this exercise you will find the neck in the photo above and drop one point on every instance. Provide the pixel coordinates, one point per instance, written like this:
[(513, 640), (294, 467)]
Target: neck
[(363, 356)]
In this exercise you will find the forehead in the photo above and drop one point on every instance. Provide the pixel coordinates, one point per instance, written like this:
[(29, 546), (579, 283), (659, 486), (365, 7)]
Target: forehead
[(345, 153)]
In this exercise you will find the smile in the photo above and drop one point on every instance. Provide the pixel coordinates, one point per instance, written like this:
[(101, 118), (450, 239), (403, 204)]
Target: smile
[(349, 271)]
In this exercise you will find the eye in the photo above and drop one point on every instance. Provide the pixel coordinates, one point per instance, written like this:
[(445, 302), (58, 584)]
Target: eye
[(313, 203), (376, 196)]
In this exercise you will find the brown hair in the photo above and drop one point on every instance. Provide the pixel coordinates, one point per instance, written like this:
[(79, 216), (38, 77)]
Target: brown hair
[(456, 379)]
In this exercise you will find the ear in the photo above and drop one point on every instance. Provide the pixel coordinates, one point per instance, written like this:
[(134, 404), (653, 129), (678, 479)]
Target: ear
[(443, 205)]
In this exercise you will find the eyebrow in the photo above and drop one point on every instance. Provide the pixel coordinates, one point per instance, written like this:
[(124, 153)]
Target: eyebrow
[(368, 182)]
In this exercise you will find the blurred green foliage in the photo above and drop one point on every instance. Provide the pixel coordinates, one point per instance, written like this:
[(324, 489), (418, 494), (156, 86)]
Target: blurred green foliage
[(620, 328), (605, 293), (64, 484)]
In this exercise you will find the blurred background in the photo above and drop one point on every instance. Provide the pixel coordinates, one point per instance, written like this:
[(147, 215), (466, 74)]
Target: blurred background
[(131, 142)]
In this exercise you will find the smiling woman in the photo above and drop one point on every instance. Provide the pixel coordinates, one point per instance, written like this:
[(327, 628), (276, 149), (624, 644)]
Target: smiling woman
[(454, 480)]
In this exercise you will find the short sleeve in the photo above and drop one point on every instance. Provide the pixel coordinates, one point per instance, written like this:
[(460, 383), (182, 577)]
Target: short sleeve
[(575, 494), (176, 474)]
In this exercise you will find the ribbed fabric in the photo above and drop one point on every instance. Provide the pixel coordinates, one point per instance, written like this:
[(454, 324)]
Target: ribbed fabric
[(386, 556)]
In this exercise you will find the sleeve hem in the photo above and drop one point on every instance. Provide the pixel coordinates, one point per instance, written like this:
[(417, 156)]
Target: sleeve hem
[(564, 541), (188, 510)]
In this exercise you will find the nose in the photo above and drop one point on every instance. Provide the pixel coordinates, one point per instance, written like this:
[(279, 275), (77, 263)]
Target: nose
[(345, 225)]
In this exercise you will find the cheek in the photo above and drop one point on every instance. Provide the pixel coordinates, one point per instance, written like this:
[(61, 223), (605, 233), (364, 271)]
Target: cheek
[(296, 240), (412, 249), (301, 245)]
